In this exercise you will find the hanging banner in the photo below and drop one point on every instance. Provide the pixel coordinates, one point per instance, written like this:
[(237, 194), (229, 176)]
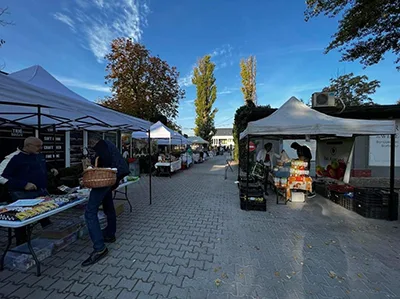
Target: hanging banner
[(333, 156), (379, 149)]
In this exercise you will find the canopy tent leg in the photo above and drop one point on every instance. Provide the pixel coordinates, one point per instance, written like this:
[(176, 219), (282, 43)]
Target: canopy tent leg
[(393, 204), (39, 119), (54, 146), (150, 166)]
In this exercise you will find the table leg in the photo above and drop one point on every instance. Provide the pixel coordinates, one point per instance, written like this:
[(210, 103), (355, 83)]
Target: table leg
[(127, 199), (30, 229), (6, 250)]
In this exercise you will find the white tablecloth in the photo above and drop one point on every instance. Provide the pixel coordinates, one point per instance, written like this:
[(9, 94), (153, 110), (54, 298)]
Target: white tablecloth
[(174, 166)]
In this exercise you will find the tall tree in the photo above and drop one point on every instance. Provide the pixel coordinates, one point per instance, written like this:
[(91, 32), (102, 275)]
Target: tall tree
[(142, 85), (248, 71), (206, 90), (367, 29), (353, 90)]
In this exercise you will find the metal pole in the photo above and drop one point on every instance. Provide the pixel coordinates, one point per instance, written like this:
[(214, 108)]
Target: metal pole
[(39, 114), (393, 204), (247, 170), (150, 166), (54, 145)]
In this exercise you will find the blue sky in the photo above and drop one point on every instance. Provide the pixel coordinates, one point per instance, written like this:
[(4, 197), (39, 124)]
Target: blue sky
[(70, 37)]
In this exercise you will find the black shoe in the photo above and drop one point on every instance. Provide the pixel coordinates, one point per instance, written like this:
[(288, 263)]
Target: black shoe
[(94, 257), (108, 239), (311, 195)]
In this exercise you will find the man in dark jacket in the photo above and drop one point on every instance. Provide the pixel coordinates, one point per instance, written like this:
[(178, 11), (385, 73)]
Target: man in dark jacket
[(24, 173), (109, 157)]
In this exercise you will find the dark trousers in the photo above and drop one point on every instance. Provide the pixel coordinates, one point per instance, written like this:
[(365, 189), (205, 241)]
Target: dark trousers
[(97, 197), (267, 170)]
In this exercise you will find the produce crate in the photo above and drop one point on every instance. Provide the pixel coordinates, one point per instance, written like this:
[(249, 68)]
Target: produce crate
[(336, 197), (24, 261), (321, 189), (348, 203), (372, 196), (64, 242), (371, 210), (253, 204)]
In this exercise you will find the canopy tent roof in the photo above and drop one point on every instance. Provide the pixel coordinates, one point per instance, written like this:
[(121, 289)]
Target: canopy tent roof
[(197, 140), (36, 85), (295, 118), (163, 134)]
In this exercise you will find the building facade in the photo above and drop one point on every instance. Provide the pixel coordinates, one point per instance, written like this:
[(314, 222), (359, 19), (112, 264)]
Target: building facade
[(223, 137)]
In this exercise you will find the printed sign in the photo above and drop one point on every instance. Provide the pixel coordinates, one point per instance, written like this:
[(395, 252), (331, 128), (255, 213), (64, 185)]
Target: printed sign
[(252, 146), (379, 149), (332, 157), (17, 132)]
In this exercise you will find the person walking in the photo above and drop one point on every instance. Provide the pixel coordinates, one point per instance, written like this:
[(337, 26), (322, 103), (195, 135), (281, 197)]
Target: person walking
[(265, 156), (108, 157)]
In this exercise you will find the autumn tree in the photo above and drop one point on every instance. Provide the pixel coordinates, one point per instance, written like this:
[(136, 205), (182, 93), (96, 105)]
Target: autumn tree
[(367, 29), (206, 90), (353, 90), (142, 85), (248, 73)]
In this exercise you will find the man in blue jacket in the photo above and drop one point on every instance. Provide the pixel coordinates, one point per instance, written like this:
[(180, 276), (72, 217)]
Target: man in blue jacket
[(109, 157), (24, 172)]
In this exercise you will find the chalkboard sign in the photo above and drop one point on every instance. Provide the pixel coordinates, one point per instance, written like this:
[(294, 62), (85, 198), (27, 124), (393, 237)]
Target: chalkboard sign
[(76, 146), (13, 138), (53, 147)]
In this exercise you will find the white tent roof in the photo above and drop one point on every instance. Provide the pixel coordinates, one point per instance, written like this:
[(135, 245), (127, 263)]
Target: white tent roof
[(198, 140), (295, 118), (35, 85), (163, 134)]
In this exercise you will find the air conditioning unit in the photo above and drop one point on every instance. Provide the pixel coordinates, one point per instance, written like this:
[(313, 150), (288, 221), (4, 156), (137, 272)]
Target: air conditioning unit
[(323, 99)]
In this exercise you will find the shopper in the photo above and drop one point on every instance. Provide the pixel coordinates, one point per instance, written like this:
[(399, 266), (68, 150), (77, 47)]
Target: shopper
[(108, 156), (24, 173), (265, 156), (304, 154)]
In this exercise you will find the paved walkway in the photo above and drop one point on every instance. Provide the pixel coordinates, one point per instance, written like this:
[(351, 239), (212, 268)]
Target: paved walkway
[(195, 242)]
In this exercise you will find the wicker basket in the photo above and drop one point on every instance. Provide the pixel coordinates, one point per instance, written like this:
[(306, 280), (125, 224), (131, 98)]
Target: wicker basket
[(99, 177)]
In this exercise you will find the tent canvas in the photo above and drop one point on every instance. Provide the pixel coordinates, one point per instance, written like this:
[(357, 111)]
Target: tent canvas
[(160, 131), (295, 118), (42, 88), (198, 140)]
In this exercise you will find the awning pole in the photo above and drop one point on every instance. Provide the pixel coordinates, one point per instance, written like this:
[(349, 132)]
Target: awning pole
[(247, 170), (39, 116), (54, 145), (150, 166), (393, 204)]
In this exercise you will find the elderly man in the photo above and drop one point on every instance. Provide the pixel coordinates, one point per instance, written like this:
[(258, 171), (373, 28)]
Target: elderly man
[(24, 172), (109, 156)]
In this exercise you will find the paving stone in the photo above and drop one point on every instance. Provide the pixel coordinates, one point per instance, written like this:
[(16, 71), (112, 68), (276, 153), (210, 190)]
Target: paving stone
[(154, 267), (79, 275), (140, 274), (170, 269), (181, 262), (76, 288), (176, 253), (128, 295), (45, 282), (125, 272), (110, 281), (95, 278), (174, 280), (140, 265), (143, 287), (32, 279), (60, 285), (140, 256), (191, 255), (174, 246), (196, 264), (177, 293), (126, 283), (93, 291), (152, 258), (40, 294), (183, 271), (160, 289), (111, 270), (17, 277), (68, 273), (109, 293), (157, 277), (22, 292)]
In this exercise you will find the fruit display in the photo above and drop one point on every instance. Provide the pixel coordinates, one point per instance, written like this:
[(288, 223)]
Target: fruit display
[(335, 170)]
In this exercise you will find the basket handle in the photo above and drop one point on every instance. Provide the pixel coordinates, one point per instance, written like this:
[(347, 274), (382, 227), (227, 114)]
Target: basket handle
[(96, 161)]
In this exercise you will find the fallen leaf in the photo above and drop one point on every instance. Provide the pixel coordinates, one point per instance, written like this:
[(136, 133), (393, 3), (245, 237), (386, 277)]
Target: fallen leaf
[(224, 276), (277, 274), (347, 292), (217, 282), (217, 269), (327, 243), (288, 276), (360, 275), (309, 246), (241, 275), (332, 274)]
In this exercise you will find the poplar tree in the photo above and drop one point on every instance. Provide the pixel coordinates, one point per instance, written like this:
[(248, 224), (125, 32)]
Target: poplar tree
[(206, 91), (248, 73)]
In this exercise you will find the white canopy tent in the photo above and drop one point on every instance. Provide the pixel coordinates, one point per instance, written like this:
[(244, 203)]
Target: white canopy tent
[(197, 140), (163, 134), (36, 85), (295, 118)]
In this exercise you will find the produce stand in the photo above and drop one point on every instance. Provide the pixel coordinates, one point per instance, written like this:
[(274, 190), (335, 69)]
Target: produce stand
[(295, 120), (30, 224), (168, 167)]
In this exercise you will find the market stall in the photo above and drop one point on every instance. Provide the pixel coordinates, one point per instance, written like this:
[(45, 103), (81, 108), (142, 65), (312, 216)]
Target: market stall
[(295, 120)]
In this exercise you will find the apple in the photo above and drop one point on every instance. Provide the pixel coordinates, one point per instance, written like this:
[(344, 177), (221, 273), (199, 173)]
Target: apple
[(335, 164), (340, 173), (332, 173)]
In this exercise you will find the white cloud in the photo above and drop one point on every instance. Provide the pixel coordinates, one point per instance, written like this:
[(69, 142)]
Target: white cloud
[(98, 22), (224, 50), (84, 85), (187, 80), (228, 90), (64, 19)]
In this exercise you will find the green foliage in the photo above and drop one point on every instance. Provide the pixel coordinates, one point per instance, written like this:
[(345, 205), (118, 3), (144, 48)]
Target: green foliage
[(243, 116), (248, 73), (353, 90), (206, 90), (366, 31)]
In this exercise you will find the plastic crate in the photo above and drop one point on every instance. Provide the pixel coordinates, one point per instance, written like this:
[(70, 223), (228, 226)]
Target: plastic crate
[(372, 196), (64, 242), (321, 189), (336, 197), (348, 203), (371, 210), (253, 204), (43, 249)]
